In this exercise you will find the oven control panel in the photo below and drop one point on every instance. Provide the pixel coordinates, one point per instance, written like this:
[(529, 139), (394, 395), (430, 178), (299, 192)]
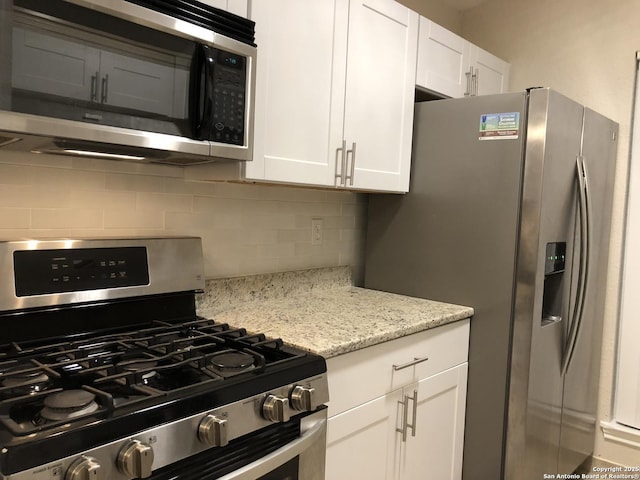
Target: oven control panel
[(41, 272)]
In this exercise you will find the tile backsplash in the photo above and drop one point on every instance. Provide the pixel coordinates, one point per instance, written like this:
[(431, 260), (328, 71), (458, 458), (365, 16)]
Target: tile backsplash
[(246, 229)]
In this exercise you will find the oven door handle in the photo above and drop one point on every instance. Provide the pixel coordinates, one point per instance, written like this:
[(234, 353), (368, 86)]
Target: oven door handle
[(270, 462)]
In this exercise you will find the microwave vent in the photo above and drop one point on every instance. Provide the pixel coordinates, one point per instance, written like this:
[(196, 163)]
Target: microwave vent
[(204, 16)]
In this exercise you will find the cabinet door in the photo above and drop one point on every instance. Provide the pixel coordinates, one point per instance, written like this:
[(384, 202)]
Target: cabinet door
[(379, 100), (443, 60), (299, 90), (53, 65), (362, 442), (436, 449), (492, 73), (137, 83)]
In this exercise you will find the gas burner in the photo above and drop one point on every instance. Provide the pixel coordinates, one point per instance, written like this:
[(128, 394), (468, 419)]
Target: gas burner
[(116, 363), (135, 365), (23, 380), (140, 365), (231, 362), (68, 404)]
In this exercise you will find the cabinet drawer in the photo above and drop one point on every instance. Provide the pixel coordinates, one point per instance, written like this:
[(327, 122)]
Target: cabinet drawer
[(361, 376)]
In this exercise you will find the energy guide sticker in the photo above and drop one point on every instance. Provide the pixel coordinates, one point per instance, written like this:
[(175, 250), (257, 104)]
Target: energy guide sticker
[(499, 126)]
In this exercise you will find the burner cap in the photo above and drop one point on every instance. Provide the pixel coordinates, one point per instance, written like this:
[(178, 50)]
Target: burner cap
[(140, 365), (231, 362), (19, 376), (137, 365), (68, 404)]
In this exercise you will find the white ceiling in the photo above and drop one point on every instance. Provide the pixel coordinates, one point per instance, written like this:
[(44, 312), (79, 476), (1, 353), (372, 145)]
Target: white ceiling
[(462, 5)]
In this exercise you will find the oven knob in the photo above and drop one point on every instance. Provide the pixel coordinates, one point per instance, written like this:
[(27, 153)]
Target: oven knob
[(85, 468), (276, 408), (213, 431), (135, 459), (303, 398)]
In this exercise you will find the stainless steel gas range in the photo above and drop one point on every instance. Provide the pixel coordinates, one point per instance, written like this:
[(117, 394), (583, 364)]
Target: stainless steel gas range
[(107, 372)]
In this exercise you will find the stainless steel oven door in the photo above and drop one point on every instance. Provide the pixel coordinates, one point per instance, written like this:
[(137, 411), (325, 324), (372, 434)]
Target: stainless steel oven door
[(301, 459)]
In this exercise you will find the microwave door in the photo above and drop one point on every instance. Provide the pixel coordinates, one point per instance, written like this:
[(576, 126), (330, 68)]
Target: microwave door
[(80, 75)]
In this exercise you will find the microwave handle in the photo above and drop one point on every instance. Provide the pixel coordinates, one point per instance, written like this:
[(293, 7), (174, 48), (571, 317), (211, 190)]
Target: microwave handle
[(201, 92)]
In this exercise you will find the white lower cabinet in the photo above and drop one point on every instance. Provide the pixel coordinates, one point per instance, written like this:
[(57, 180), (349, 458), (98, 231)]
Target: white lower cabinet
[(361, 442), (414, 428), (436, 449)]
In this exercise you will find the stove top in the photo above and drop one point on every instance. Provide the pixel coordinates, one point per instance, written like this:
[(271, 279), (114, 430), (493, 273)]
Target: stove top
[(102, 353), (48, 385), (103, 386)]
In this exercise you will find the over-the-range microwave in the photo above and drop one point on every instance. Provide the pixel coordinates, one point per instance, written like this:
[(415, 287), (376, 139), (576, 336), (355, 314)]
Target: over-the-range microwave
[(168, 81)]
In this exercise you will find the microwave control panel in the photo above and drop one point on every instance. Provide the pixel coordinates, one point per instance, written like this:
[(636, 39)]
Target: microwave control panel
[(229, 95)]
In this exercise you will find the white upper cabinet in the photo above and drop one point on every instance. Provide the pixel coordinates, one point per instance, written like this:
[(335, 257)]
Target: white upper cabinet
[(239, 7), (443, 60), (490, 75), (334, 93), (449, 65), (298, 112), (379, 100)]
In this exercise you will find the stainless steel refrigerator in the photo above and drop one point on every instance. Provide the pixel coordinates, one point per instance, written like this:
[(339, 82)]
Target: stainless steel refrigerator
[(509, 212)]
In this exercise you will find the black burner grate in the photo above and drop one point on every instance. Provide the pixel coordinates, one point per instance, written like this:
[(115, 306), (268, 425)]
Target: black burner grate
[(125, 368)]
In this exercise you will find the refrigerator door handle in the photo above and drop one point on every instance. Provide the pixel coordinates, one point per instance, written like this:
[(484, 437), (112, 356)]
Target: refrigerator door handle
[(584, 207)]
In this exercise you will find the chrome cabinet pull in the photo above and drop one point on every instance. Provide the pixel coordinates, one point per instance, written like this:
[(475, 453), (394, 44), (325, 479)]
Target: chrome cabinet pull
[(413, 362), (104, 89), (94, 87), (412, 425), (405, 415), (474, 81), (341, 165), (353, 164), (467, 91)]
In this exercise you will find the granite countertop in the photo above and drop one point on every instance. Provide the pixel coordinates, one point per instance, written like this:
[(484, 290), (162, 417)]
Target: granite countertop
[(320, 312)]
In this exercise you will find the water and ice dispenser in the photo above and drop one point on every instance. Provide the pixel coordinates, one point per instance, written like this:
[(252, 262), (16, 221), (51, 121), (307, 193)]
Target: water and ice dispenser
[(553, 282)]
